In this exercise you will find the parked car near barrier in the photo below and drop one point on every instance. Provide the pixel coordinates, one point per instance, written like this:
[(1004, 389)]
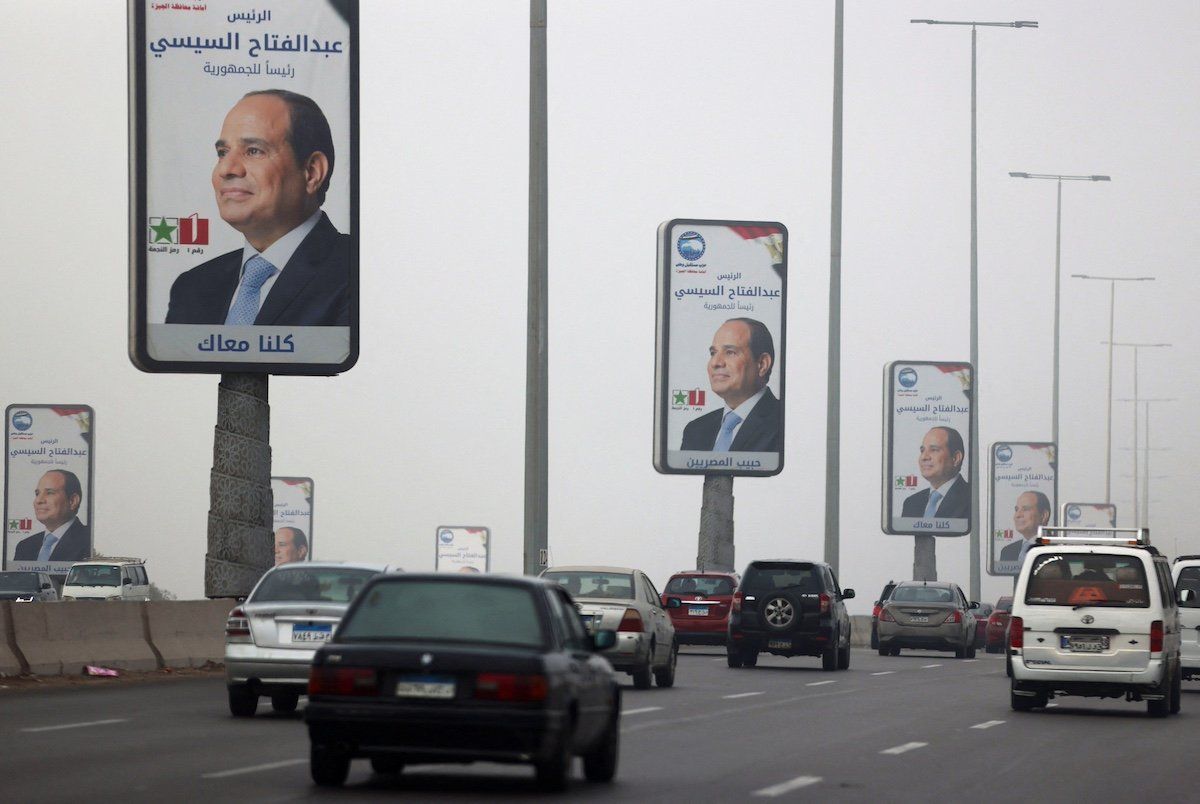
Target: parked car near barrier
[(107, 579), (27, 587)]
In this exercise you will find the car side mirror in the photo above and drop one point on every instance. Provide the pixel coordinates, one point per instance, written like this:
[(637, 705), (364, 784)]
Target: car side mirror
[(847, 594), (602, 640), (674, 603), (1186, 595), (974, 604)]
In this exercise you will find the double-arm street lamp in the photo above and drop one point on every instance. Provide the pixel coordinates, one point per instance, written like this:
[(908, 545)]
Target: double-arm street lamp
[(1136, 348)]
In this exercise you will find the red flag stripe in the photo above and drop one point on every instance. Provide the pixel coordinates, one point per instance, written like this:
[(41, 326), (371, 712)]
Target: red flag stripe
[(755, 232)]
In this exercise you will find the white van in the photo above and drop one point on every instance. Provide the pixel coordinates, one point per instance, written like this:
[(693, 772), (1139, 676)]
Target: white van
[(107, 579), (1186, 574), (1095, 614)]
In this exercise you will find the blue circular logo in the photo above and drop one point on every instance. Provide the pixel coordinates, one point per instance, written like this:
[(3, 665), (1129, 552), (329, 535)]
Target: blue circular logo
[(690, 246), (22, 420), (907, 377), (1073, 513), (446, 536), (1004, 453)]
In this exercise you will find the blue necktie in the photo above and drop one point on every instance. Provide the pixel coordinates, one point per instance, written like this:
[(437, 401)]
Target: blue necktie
[(931, 506), (48, 542), (245, 307), (725, 437)]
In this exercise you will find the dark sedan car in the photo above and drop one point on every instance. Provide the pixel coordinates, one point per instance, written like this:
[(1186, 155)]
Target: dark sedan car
[(461, 668)]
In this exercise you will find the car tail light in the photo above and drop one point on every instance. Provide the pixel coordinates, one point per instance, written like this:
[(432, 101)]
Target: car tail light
[(1016, 632), (237, 627), (875, 611), (1156, 636), (510, 687), (632, 621), (325, 680), (886, 616), (824, 598), (953, 617), (737, 602)]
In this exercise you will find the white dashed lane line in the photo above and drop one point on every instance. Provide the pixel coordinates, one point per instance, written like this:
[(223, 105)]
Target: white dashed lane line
[(788, 786), (741, 695), (253, 769), (819, 683), (884, 673), (903, 749), (76, 725), (927, 666), (643, 710), (987, 724)]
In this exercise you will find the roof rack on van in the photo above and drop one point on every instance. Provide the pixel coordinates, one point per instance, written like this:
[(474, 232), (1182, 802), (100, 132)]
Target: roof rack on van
[(1185, 558), (111, 559), (1048, 534)]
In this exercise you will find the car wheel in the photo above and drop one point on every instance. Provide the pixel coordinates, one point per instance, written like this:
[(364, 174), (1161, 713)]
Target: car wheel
[(733, 657), (829, 658), (895, 651), (843, 662), (992, 649), (643, 676), (970, 651), (874, 637), (554, 773), (600, 764), (328, 766), (386, 766), (242, 702), (665, 676), (1025, 703), (960, 652), (885, 651), (750, 658), (780, 612), (285, 702), (1176, 689)]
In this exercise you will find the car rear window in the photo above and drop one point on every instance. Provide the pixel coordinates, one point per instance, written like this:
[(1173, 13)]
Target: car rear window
[(94, 575), (582, 583), (700, 585), (761, 578), (311, 585), (1087, 579), (921, 594), (18, 582), (451, 611), (1189, 578)]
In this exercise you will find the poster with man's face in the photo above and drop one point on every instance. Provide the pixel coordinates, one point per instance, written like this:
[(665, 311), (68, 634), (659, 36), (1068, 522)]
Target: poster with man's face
[(462, 549), (1089, 515), (927, 487), (245, 182), (48, 461), (1024, 497), (293, 518), (722, 326)]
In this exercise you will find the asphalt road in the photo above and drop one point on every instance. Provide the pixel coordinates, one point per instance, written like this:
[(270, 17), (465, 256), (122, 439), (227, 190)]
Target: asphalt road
[(919, 727)]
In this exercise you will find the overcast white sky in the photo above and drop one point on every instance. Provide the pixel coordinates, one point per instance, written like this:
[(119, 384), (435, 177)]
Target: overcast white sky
[(657, 110)]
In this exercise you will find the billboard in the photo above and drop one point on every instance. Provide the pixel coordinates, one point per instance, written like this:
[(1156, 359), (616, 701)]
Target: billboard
[(48, 503), (926, 431), (460, 548), (1089, 515), (1024, 496), (292, 518), (244, 186), (719, 362)]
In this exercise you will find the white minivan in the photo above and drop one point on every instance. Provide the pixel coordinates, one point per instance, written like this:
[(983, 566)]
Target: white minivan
[(1095, 614), (1186, 574), (107, 579)]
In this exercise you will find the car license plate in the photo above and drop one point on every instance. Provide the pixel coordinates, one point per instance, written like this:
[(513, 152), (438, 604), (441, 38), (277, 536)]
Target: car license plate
[(312, 633), (779, 643), (918, 619), (1085, 644), (437, 687), (697, 611)]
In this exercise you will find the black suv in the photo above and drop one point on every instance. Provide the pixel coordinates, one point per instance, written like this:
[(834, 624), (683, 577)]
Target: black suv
[(789, 608)]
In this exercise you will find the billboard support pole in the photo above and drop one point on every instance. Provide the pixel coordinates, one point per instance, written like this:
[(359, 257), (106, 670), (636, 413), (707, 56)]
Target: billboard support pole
[(715, 548), (833, 401), (924, 558), (241, 504)]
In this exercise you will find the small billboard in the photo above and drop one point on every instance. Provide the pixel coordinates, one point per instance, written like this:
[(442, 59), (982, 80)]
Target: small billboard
[(1089, 515), (1024, 497), (292, 518), (461, 548)]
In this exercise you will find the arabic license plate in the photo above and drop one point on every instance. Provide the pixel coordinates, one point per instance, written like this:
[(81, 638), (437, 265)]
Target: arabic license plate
[(312, 633), (918, 619), (783, 644), (436, 687), (697, 611), (1085, 644)]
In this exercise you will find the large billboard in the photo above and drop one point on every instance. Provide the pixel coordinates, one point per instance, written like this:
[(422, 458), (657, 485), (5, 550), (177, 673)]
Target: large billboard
[(1024, 497), (292, 519), (48, 503), (722, 326), (244, 186), (460, 548), (1089, 515), (927, 425)]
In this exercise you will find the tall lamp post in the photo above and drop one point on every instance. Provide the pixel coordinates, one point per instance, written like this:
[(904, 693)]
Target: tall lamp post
[(1145, 476), (1059, 178), (1136, 347), (973, 440), (1112, 299)]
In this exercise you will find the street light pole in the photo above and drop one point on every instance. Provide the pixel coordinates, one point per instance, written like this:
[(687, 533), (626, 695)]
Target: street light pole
[(1137, 520), (973, 438), (1059, 179), (1145, 490)]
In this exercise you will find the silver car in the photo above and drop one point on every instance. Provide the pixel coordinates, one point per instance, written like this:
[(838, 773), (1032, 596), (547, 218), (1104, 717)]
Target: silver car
[(624, 600), (27, 587), (270, 639), (927, 615)]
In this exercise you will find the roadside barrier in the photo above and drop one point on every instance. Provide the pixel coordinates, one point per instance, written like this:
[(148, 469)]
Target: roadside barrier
[(188, 633), (11, 663)]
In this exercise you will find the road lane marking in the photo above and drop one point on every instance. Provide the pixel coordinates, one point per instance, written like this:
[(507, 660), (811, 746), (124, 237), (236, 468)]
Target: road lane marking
[(788, 786), (742, 709), (968, 661), (927, 666), (902, 749), (742, 695), (884, 673), (253, 769), (77, 725), (987, 724), (819, 683), (640, 711), (1051, 706)]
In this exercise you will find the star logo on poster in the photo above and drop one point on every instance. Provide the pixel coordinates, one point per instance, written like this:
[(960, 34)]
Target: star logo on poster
[(164, 231), (680, 398)]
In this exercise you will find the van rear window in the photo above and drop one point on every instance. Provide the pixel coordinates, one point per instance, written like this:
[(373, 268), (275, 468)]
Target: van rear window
[(1087, 579)]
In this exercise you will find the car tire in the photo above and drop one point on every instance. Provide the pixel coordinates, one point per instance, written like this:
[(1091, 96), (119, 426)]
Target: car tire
[(970, 651), (553, 774), (960, 652), (1176, 689), (749, 658), (874, 637), (895, 651), (843, 662), (600, 764), (733, 657), (1024, 703), (387, 766), (780, 612), (665, 676), (885, 651), (643, 676), (242, 702), (285, 702), (829, 658), (992, 649), (329, 766)]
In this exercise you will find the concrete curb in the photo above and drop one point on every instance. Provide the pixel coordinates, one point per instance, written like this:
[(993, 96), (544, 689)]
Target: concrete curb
[(12, 663), (60, 638)]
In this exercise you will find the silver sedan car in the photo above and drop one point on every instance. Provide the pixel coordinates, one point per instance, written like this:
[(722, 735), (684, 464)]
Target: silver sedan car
[(270, 639), (928, 615), (624, 600)]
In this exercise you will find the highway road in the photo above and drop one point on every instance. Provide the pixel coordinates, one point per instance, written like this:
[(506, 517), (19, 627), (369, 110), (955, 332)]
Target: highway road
[(923, 726)]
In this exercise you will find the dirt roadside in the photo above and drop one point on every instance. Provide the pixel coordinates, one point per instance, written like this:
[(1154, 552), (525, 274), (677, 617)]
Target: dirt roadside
[(10, 684)]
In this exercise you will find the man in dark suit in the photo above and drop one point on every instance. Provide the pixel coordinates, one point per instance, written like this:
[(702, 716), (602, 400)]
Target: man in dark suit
[(56, 505), (739, 365), (274, 161), (1032, 509), (940, 461)]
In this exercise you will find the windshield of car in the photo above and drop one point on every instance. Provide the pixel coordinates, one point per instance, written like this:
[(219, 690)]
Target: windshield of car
[(1189, 578), (584, 583), (921, 594), (452, 611), (311, 585), (763, 578), (700, 585), (94, 575), (1087, 579), (19, 582)]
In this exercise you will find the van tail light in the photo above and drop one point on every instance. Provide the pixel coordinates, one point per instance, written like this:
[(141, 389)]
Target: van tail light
[(325, 680), (237, 627), (824, 598), (632, 621), (1016, 632), (1156, 636), (886, 616), (510, 687), (953, 617), (738, 597)]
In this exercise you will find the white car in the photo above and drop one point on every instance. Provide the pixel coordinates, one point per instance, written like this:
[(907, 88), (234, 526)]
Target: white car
[(624, 600), (107, 579), (1094, 613), (1186, 574)]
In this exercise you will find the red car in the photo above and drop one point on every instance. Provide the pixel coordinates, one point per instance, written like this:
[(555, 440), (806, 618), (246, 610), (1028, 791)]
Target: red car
[(997, 625), (981, 618), (706, 597)]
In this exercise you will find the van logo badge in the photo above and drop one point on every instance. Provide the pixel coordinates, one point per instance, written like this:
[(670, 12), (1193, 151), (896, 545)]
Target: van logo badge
[(1087, 619), (426, 659)]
